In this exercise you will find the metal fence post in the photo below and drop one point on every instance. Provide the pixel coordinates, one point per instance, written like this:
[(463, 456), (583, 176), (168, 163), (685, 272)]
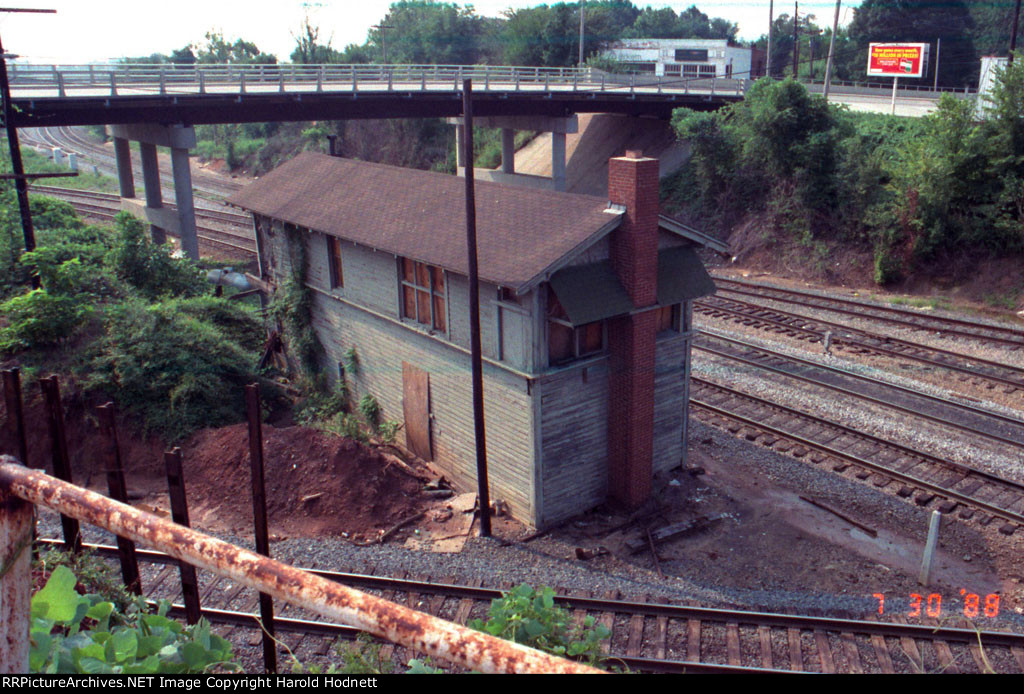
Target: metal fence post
[(119, 492), (113, 83), (16, 526), (179, 513), (259, 514), (202, 81), (241, 83), (61, 462), (163, 80), (60, 84), (15, 410)]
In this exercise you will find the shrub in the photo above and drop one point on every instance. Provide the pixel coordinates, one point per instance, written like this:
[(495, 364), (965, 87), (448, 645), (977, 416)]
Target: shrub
[(530, 617), (179, 372), (116, 643), (39, 319), (371, 409), (150, 268)]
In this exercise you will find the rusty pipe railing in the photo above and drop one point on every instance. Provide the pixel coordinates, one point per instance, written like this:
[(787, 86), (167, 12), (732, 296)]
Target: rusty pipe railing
[(402, 625)]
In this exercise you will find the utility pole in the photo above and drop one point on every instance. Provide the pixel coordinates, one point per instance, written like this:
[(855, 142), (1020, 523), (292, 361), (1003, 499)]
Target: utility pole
[(831, 50), (1013, 34), (796, 38), (938, 52), (20, 182), (771, 26), (582, 8), (383, 37), (476, 358)]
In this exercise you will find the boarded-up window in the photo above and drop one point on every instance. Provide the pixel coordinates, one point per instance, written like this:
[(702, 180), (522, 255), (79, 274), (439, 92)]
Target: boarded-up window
[(423, 294), (334, 262), (566, 342)]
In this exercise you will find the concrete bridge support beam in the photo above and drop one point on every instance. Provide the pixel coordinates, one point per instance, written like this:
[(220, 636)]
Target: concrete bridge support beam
[(558, 161), (180, 139), (151, 182), (557, 126), (508, 150), (183, 198), (125, 177)]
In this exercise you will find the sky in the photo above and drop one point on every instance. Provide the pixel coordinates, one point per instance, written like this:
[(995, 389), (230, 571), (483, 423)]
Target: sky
[(85, 31)]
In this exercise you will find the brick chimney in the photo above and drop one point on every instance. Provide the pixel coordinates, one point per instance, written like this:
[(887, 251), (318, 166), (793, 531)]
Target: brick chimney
[(633, 183)]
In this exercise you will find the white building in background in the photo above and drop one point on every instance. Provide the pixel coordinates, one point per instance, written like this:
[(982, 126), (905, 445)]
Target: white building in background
[(990, 65), (691, 58)]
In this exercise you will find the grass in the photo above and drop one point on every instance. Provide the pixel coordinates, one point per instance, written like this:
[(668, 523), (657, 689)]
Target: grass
[(922, 302), (36, 162), (1004, 300)]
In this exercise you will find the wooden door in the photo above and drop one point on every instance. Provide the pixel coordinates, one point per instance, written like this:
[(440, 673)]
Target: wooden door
[(416, 409)]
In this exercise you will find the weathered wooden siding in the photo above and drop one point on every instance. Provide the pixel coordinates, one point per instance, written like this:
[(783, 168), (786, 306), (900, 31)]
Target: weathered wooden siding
[(669, 402), (574, 430), (574, 440), (382, 344)]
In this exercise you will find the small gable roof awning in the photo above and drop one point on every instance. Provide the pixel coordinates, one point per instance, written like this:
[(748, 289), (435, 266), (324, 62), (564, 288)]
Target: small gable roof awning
[(593, 292)]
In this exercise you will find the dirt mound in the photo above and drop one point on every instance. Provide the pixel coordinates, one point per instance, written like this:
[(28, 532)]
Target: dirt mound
[(317, 484)]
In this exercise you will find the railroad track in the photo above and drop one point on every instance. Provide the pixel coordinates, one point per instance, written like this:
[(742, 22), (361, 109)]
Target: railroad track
[(646, 636), (980, 372), (203, 183), (1010, 336), (962, 418), (106, 206), (910, 473)]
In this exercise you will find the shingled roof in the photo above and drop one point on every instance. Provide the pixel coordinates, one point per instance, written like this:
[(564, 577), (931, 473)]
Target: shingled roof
[(522, 234)]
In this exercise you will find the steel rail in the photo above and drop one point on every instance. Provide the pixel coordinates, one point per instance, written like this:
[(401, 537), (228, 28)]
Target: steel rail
[(875, 307), (862, 396), (109, 213), (856, 460), (380, 617), (224, 216), (202, 183), (868, 379), (105, 213), (310, 627), (866, 316), (650, 609), (906, 450), (707, 307)]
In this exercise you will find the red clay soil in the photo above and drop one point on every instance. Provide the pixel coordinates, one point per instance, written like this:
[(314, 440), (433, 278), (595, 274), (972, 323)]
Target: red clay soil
[(361, 490), (87, 448)]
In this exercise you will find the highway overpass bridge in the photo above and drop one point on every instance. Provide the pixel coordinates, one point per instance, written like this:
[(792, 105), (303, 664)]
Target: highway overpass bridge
[(157, 105)]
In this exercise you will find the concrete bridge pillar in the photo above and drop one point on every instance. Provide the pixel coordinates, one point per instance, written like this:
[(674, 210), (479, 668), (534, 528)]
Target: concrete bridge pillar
[(558, 161), (180, 139), (125, 177), (558, 127), (151, 182), (508, 150)]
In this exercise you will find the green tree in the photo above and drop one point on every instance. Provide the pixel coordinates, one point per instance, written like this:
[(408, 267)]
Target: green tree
[(428, 32), (219, 51), (309, 51), (918, 21)]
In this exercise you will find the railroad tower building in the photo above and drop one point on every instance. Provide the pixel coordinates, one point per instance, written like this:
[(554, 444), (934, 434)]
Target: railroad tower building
[(585, 314)]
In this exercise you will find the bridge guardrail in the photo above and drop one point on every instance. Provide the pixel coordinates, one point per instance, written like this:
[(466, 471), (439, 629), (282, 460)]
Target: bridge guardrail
[(165, 78)]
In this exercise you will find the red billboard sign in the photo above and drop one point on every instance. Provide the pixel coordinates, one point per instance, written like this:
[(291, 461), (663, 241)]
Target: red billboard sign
[(897, 59)]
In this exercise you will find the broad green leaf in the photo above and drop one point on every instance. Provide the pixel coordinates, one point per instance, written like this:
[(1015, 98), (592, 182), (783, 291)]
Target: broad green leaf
[(125, 645), (57, 600)]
